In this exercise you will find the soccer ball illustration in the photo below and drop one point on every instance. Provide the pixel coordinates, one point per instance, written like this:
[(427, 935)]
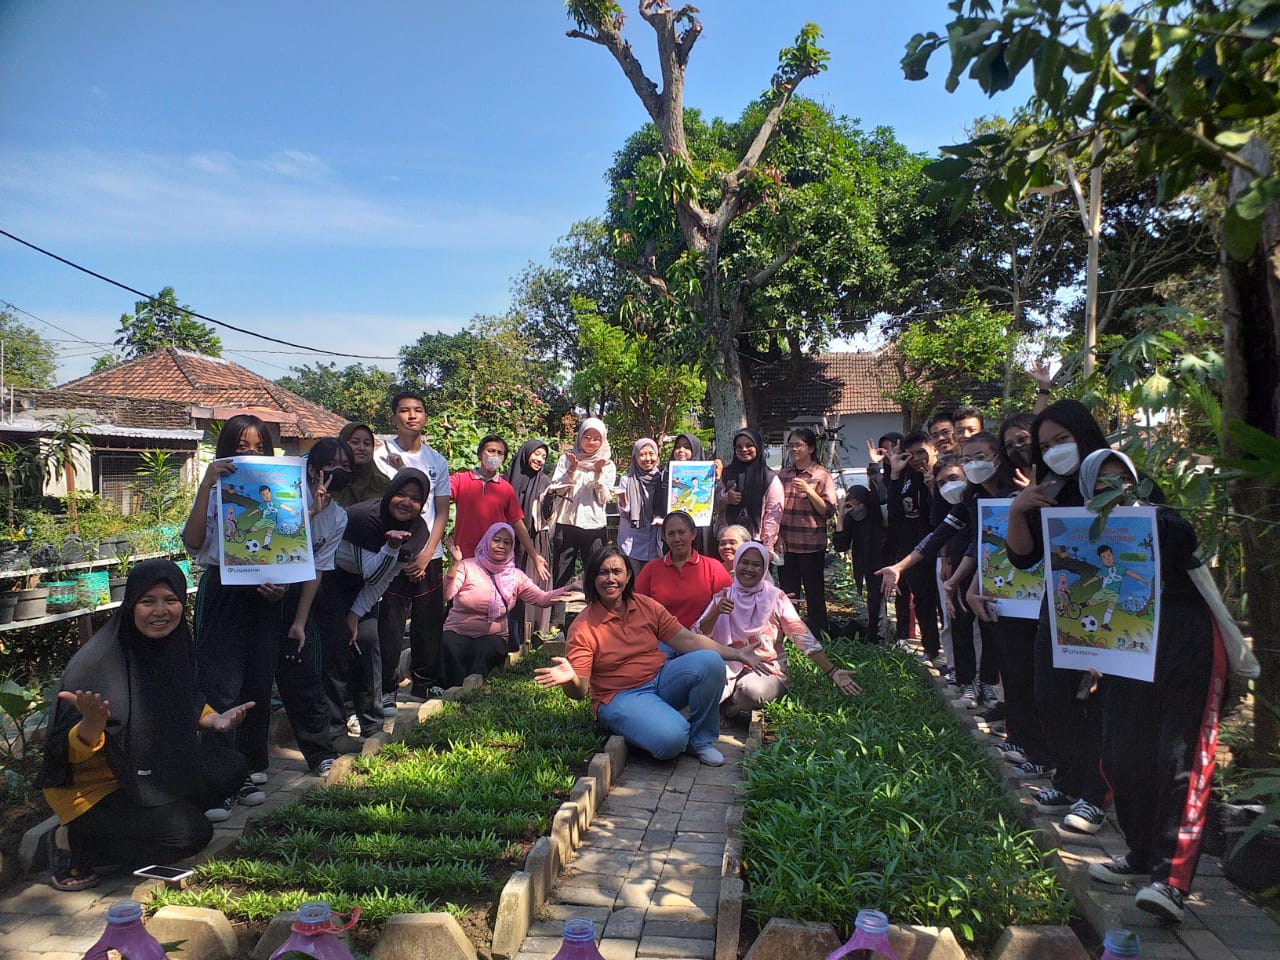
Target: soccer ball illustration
[(1089, 624), (252, 546), (999, 581)]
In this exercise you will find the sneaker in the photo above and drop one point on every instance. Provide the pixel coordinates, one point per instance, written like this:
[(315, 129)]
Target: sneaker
[(1053, 801), (222, 811), (1084, 817), (249, 795), (987, 697), (258, 777), (1118, 871), (353, 725), (1160, 900), (389, 708), (708, 755), (995, 713), (1031, 771), (435, 693), (347, 744), (324, 766), (970, 696), (1011, 752)]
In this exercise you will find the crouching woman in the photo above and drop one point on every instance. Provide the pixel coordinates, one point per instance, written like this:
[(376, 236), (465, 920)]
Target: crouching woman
[(636, 692), (125, 769)]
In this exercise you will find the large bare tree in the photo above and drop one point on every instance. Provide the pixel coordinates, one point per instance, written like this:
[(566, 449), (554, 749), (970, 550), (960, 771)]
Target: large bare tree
[(702, 225)]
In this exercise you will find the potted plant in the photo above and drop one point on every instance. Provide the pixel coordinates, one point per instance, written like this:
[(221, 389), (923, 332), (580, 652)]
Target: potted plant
[(8, 605), (32, 599), (119, 574)]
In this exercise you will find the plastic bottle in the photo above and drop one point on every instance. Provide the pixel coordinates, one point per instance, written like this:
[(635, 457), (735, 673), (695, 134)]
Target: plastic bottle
[(315, 934), (579, 941), (1118, 944), (870, 938), (126, 934)]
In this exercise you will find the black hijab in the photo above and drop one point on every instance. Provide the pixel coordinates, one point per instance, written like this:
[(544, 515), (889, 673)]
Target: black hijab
[(152, 685), (368, 522), (529, 484), (694, 443), (752, 480)]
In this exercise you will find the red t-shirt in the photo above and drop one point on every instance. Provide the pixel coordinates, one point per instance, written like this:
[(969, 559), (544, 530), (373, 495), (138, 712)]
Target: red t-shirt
[(687, 590), (478, 505), (619, 653)]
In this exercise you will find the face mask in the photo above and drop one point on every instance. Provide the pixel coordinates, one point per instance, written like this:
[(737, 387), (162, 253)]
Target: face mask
[(336, 480), (952, 490), (858, 512), (979, 471), (1019, 456), (491, 462), (1064, 459)]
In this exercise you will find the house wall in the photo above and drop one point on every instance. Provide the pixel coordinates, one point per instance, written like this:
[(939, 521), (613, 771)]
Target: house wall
[(857, 428)]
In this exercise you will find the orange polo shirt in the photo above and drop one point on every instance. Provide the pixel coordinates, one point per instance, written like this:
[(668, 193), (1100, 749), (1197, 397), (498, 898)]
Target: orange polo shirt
[(618, 653)]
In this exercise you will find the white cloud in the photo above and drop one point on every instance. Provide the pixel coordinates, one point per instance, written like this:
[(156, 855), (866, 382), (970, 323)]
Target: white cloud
[(97, 92), (217, 199)]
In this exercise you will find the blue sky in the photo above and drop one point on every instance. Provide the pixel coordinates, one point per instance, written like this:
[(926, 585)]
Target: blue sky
[(350, 176)]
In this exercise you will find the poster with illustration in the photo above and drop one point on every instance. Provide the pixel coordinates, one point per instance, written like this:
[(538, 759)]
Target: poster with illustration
[(1019, 591), (266, 530), (1104, 596), (692, 489)]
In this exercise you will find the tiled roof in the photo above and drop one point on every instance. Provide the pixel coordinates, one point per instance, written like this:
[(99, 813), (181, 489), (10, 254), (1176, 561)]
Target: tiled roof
[(830, 384), (191, 378), (119, 413)]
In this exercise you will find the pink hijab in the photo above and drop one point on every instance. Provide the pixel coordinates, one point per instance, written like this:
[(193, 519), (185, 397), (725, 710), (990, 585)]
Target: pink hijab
[(604, 453), (505, 577), (752, 606)]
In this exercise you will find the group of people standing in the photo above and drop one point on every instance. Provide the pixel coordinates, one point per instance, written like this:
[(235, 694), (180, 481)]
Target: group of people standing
[(682, 631)]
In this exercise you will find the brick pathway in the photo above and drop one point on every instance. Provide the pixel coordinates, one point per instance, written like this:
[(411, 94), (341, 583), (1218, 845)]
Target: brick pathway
[(648, 872)]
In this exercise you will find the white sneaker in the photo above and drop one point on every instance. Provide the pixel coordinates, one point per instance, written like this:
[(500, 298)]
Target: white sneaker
[(249, 795), (222, 811), (258, 777), (323, 767), (708, 755), (970, 696)]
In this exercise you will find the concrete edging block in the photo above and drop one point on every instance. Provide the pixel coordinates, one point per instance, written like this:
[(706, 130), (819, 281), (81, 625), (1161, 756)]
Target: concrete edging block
[(429, 708), (208, 933), (731, 862), (31, 849), (542, 864), (372, 744), (515, 914), (601, 767), (471, 681), (586, 794), (1030, 943), (564, 830), (616, 748), (410, 936), (793, 940), (728, 918)]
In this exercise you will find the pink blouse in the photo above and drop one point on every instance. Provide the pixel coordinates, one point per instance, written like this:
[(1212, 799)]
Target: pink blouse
[(470, 588)]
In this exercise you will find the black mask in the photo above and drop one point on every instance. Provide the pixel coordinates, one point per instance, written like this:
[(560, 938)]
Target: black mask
[(336, 479), (1019, 456)]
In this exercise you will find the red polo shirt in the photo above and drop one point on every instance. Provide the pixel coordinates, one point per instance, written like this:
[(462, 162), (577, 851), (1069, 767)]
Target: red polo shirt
[(687, 590), (480, 502)]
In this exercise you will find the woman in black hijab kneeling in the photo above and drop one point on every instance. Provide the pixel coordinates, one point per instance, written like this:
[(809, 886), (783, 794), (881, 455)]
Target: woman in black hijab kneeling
[(124, 768)]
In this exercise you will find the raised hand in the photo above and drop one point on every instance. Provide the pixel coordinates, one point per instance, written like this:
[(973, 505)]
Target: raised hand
[(571, 458), (898, 462), (321, 497), (455, 552), (228, 719), (874, 454), (396, 538), (1038, 371), (94, 713), (724, 603)]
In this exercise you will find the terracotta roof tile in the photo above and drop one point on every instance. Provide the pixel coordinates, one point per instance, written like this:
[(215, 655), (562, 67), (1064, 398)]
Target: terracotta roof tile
[(177, 375)]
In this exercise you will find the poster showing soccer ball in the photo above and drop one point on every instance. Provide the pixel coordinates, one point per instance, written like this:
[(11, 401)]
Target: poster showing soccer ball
[(1018, 592), (1104, 589), (264, 522), (692, 488)]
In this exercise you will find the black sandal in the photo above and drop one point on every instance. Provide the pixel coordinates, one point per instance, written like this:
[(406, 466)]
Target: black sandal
[(64, 872)]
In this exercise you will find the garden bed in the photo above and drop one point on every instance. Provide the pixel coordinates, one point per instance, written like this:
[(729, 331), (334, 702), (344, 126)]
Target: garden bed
[(885, 801), (436, 821)]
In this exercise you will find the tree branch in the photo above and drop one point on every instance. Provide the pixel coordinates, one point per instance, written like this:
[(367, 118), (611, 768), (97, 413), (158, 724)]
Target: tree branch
[(609, 37), (648, 274)]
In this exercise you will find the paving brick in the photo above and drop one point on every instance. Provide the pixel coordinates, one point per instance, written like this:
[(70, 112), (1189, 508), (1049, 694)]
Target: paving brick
[(1204, 945), (1251, 932), (619, 821), (676, 947), (692, 848), (612, 949), (558, 913), (689, 886), (707, 807), (648, 864), (715, 792), (678, 914), (590, 860), (705, 930), (588, 895), (625, 924), (637, 892), (691, 870), (666, 820), (24, 935)]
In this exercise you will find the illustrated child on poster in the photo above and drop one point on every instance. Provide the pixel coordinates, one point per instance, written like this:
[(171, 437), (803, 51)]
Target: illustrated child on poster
[(266, 529), (1111, 577)]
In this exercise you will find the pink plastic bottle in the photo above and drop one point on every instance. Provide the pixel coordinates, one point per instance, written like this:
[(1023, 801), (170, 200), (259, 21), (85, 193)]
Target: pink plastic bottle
[(315, 934), (1119, 944), (579, 941), (870, 938), (126, 934)]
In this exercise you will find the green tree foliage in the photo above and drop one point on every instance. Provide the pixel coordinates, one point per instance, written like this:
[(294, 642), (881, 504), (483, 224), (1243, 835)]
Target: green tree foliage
[(358, 392), (28, 357), (106, 361), (579, 265), (160, 322), (489, 373), (640, 391), (946, 358)]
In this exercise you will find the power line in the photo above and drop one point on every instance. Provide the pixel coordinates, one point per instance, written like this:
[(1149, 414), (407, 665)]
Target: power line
[(199, 316)]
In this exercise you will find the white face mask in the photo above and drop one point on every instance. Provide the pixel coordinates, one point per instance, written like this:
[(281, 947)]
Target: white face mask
[(979, 471), (952, 490), (491, 462), (1063, 459)]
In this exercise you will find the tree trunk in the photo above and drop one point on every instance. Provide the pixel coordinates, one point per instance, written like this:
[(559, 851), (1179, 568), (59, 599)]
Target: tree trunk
[(1251, 394), (724, 389)]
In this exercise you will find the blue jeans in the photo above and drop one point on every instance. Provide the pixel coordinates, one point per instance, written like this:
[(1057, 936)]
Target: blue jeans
[(648, 716)]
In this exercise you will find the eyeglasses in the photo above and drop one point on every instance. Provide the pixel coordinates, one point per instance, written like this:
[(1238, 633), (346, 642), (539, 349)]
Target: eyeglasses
[(798, 445), (943, 436)]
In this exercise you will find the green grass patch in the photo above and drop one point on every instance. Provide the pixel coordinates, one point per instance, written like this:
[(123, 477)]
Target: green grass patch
[(436, 821), (885, 802)]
